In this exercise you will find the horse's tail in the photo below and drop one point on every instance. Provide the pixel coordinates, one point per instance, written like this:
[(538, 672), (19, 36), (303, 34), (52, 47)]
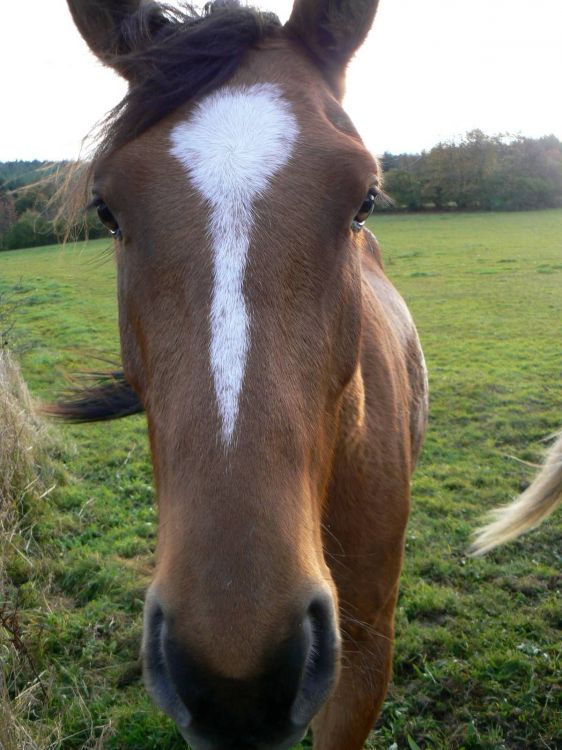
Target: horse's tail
[(529, 509)]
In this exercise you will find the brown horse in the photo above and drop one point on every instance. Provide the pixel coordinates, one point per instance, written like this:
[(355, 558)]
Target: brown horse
[(280, 371)]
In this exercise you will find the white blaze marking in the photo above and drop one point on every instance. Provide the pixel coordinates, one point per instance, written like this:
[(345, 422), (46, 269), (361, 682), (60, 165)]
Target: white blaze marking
[(234, 142)]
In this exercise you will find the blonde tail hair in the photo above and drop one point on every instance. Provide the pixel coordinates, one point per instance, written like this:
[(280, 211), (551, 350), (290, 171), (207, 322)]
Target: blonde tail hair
[(529, 509)]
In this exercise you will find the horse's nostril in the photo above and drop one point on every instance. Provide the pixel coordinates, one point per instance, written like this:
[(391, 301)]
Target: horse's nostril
[(156, 674), (321, 663)]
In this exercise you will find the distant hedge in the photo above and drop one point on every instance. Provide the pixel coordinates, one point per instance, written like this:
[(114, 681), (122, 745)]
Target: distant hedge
[(493, 173)]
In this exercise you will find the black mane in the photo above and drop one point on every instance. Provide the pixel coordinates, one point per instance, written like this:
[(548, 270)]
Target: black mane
[(108, 396), (176, 55)]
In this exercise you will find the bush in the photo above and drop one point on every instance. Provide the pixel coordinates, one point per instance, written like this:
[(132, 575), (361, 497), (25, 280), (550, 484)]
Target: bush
[(30, 230)]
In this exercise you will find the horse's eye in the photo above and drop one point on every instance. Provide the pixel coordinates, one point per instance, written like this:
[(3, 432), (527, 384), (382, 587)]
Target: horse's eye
[(107, 218), (367, 208)]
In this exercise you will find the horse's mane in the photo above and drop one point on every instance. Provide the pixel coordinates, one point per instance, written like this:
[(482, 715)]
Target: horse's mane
[(104, 396)]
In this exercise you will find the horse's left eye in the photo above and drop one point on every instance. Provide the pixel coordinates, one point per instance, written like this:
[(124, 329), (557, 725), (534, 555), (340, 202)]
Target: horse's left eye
[(367, 208), (107, 218)]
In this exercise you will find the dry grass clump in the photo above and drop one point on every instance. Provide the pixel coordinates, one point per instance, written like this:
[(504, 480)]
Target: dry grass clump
[(25, 441), (26, 474), (13, 732)]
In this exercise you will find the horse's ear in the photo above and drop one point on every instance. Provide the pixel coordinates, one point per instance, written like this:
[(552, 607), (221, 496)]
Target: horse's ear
[(113, 29), (332, 30)]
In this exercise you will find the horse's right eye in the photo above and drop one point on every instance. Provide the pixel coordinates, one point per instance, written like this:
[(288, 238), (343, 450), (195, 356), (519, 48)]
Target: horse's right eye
[(367, 208), (107, 218)]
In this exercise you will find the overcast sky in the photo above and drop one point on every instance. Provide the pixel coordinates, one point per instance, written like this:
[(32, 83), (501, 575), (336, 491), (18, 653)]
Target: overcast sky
[(430, 70)]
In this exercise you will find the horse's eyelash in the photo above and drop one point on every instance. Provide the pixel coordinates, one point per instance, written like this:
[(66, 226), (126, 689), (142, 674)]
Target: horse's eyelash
[(383, 199)]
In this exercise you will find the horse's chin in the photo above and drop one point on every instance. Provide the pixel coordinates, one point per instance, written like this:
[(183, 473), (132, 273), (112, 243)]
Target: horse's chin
[(196, 743)]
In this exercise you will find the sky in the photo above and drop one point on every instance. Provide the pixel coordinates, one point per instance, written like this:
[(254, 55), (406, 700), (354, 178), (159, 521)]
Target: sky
[(429, 71)]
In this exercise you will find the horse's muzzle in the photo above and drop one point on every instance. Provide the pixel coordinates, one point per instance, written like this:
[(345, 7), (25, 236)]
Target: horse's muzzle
[(269, 711)]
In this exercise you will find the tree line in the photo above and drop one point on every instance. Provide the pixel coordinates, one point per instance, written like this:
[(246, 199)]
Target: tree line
[(487, 173), (477, 172)]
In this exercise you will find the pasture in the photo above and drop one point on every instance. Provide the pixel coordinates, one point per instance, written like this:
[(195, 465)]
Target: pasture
[(478, 641)]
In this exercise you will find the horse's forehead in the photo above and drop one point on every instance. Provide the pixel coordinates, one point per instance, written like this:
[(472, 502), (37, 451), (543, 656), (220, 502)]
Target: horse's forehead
[(235, 139)]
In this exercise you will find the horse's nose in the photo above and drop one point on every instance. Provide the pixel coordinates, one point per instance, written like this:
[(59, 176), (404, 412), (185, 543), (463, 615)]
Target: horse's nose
[(271, 709)]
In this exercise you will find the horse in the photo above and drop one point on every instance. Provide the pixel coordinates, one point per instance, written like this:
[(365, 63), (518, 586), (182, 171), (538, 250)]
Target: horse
[(280, 371)]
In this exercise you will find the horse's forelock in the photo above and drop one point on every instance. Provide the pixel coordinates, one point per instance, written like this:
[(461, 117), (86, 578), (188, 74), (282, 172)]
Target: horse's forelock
[(178, 55), (174, 56)]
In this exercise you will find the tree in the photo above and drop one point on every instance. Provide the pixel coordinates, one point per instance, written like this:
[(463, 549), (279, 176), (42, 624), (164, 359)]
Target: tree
[(8, 216), (498, 172)]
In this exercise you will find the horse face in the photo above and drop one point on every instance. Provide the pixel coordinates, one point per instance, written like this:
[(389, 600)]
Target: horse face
[(239, 286)]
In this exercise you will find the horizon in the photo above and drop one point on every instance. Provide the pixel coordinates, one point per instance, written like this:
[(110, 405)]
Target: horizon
[(455, 140), (493, 69)]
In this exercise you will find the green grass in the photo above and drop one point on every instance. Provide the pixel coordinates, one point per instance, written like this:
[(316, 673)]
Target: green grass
[(478, 647)]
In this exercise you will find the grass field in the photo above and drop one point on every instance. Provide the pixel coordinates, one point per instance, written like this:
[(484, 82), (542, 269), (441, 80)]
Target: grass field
[(478, 648)]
